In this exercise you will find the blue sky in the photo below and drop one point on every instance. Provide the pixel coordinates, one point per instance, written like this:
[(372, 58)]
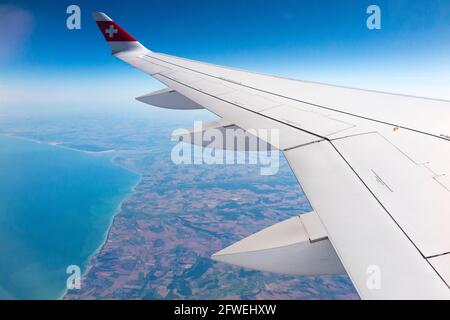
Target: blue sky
[(322, 40)]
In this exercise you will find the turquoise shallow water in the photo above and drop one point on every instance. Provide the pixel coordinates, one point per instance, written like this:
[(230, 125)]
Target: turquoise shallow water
[(55, 208)]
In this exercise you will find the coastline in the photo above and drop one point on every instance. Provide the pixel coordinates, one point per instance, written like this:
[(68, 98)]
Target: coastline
[(58, 145), (114, 212)]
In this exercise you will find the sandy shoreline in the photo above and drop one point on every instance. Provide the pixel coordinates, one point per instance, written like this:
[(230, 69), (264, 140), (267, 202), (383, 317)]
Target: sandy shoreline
[(116, 210)]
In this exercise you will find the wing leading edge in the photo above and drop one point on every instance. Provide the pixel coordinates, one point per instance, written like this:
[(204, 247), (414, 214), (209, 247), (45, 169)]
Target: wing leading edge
[(375, 166)]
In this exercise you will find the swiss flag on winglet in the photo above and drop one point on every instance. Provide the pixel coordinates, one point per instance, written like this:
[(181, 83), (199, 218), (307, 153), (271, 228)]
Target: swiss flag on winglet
[(118, 39), (113, 32)]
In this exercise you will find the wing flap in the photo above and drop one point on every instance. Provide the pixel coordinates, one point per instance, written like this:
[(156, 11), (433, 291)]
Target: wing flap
[(364, 235), (407, 190)]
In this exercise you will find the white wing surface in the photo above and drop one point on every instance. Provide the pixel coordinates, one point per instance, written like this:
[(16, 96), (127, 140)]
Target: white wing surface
[(375, 167)]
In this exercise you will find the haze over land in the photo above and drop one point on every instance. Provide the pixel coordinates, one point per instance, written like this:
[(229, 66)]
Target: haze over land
[(159, 245)]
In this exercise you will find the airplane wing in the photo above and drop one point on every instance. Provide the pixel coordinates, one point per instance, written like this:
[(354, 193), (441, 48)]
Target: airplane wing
[(375, 167)]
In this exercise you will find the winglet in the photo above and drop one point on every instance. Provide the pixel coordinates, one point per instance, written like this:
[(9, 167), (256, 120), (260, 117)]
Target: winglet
[(117, 38)]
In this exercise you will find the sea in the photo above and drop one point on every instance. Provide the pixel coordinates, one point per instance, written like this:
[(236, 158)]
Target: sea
[(56, 206)]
